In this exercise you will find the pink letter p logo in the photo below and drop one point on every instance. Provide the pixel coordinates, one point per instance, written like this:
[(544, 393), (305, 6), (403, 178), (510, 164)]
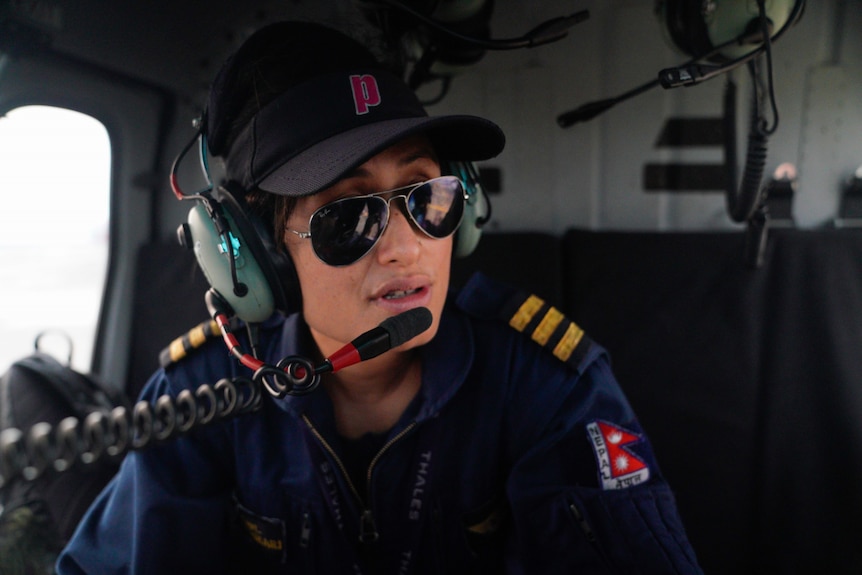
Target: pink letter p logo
[(365, 93)]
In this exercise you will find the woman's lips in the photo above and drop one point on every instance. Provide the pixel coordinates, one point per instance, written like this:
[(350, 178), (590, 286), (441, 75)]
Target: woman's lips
[(399, 295)]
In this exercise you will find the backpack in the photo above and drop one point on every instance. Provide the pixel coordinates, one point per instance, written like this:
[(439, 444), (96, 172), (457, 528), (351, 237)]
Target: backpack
[(38, 517)]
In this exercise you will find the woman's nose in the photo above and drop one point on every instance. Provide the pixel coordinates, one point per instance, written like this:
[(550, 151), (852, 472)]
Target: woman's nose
[(401, 241)]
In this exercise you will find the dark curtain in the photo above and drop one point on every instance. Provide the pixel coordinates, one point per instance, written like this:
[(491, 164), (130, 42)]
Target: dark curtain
[(748, 382)]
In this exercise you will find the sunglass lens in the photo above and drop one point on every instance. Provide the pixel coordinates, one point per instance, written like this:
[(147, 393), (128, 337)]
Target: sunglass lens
[(344, 231), (437, 206)]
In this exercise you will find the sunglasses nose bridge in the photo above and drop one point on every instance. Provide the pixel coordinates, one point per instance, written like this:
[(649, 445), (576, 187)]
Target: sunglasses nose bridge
[(403, 207)]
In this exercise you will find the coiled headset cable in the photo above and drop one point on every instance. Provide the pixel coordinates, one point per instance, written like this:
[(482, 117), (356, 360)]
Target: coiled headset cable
[(45, 448)]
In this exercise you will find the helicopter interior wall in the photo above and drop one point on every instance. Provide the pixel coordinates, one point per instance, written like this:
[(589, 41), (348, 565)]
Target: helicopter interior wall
[(591, 175)]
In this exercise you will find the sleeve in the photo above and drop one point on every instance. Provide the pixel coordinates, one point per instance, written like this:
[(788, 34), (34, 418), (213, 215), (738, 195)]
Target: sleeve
[(586, 492), (175, 492)]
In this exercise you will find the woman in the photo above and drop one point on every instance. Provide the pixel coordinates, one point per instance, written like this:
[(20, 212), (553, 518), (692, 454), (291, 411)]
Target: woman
[(467, 448)]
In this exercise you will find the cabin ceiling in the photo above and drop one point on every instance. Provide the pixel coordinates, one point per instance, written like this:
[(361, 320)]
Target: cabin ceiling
[(174, 44)]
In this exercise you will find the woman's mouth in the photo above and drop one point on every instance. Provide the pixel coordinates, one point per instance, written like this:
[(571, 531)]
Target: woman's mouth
[(398, 294)]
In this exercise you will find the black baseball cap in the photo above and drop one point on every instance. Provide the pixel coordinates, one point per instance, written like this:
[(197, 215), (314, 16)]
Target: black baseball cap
[(339, 108)]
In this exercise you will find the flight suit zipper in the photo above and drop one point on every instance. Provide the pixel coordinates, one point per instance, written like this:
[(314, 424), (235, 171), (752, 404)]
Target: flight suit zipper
[(367, 525), (305, 532), (583, 523)]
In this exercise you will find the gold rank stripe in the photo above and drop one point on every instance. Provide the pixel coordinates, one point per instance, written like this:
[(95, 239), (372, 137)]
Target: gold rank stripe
[(547, 326), (177, 350), (525, 313), (195, 338), (569, 341)]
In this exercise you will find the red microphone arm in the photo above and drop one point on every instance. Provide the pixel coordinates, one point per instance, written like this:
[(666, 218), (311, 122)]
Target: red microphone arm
[(392, 332)]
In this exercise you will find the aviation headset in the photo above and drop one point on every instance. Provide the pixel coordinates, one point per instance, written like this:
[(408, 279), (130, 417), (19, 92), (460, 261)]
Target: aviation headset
[(712, 30), (724, 32)]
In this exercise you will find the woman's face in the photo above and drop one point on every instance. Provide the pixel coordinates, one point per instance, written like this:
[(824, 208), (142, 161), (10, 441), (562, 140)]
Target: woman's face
[(406, 269)]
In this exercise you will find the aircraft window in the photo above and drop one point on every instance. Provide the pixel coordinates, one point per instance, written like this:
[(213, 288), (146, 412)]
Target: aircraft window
[(55, 168)]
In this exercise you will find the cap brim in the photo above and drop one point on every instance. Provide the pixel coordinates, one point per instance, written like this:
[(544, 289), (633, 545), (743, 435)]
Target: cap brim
[(459, 138)]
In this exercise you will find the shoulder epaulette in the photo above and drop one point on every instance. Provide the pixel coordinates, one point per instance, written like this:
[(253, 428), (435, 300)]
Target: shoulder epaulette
[(529, 314), (188, 342), (547, 326)]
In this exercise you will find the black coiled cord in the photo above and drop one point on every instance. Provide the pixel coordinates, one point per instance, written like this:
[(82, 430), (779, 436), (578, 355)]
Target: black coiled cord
[(112, 433), (744, 202), (748, 203)]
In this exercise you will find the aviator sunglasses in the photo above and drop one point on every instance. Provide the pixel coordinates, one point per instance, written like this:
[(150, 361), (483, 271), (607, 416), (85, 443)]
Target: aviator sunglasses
[(344, 231)]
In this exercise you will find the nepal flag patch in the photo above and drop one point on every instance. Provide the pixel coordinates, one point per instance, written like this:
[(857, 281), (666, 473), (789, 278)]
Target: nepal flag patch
[(618, 466)]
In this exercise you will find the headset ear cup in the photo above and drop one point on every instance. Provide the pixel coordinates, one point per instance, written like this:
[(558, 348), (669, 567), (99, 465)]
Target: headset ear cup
[(476, 209), (735, 19), (470, 232), (274, 263), (288, 296), (250, 297), (685, 24), (264, 276), (697, 33)]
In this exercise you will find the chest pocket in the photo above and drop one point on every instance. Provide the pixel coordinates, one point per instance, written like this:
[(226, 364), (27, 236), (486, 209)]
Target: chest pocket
[(473, 541), (265, 544), (489, 520), (486, 528)]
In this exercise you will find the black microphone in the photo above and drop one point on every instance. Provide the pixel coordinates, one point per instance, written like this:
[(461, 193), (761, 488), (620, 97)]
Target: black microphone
[(392, 332), (690, 75), (592, 109)]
